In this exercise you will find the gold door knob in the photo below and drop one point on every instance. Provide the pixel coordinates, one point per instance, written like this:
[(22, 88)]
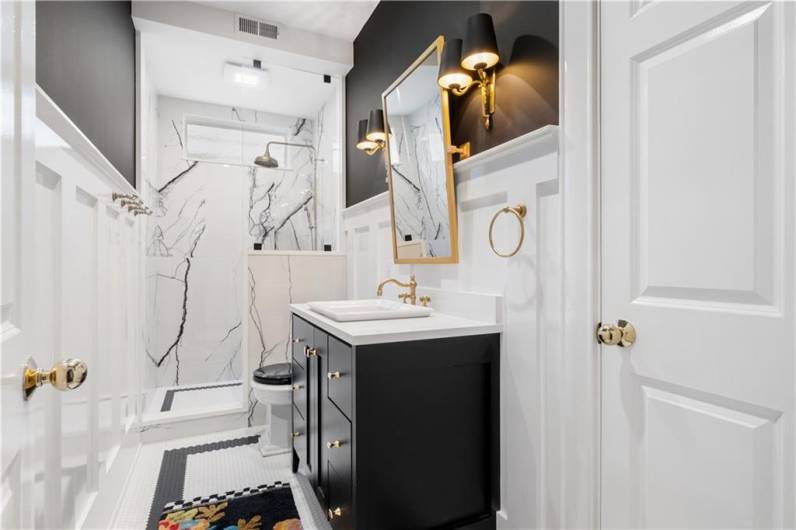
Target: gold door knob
[(334, 375), (65, 375), (337, 512), (622, 334), (310, 352), (334, 445)]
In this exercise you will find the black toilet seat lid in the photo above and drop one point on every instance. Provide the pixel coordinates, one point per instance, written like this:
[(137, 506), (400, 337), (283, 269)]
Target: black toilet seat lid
[(274, 374)]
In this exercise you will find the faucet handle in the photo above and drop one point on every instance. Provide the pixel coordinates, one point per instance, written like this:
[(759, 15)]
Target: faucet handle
[(404, 296), (424, 300)]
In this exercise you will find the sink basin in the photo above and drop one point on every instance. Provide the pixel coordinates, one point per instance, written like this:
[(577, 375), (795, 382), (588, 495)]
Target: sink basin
[(375, 309)]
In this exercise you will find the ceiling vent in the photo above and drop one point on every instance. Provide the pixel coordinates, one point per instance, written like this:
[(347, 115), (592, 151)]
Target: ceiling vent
[(253, 26)]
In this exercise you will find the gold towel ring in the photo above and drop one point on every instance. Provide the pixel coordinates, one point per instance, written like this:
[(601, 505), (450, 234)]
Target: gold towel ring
[(519, 212)]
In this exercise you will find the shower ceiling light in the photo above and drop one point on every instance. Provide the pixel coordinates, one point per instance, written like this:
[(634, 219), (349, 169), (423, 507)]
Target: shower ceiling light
[(245, 75)]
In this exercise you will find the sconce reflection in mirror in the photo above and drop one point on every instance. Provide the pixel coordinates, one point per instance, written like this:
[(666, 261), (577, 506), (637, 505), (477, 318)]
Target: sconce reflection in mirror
[(371, 136), (478, 53)]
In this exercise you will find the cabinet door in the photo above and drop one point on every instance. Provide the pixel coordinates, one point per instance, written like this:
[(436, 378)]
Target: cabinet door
[(300, 390), (339, 378), (317, 350), (299, 436), (337, 448), (302, 337)]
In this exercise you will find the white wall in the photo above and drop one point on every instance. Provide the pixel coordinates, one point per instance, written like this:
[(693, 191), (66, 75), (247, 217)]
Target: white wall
[(524, 170)]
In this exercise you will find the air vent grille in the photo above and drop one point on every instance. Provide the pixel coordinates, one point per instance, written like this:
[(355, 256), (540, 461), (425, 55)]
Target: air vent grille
[(252, 26), (268, 30)]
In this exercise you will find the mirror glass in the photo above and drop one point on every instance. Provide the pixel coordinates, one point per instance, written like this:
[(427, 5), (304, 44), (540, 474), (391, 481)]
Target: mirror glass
[(418, 165)]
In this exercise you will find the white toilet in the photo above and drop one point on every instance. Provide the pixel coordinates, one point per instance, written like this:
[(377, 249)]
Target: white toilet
[(272, 385)]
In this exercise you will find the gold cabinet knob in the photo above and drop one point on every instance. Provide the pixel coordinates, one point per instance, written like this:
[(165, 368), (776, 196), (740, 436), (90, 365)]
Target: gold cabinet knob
[(337, 512), (334, 375), (298, 386), (310, 352), (297, 341), (622, 334), (65, 375), (296, 434), (334, 445)]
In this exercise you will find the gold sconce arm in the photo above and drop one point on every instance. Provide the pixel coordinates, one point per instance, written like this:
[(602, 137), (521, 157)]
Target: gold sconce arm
[(462, 150), (486, 80)]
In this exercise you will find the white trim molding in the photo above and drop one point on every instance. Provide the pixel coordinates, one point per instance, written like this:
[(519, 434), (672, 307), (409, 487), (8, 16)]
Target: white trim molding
[(52, 115), (578, 424), (530, 145)]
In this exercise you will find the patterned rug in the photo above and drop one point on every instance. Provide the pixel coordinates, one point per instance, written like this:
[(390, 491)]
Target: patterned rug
[(266, 507)]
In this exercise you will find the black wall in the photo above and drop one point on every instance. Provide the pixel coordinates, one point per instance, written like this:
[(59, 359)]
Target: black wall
[(397, 32), (85, 61)]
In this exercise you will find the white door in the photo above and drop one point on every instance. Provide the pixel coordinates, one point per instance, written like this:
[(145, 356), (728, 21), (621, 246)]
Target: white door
[(697, 135), (20, 506), (70, 289)]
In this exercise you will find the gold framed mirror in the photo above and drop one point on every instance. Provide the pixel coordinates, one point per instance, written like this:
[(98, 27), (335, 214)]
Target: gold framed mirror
[(419, 165)]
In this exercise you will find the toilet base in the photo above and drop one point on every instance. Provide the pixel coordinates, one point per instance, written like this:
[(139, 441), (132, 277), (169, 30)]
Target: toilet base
[(264, 444)]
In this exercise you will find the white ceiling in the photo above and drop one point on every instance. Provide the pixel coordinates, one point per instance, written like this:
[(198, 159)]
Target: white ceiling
[(342, 20), (189, 65)]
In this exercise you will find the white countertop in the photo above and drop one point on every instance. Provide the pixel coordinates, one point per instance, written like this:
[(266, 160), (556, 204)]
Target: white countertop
[(436, 326)]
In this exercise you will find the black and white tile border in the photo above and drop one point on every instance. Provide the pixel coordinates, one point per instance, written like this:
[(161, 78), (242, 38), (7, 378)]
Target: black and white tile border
[(171, 479), (221, 497)]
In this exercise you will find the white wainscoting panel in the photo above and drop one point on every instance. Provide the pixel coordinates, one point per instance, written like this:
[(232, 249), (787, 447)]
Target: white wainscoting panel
[(526, 288), (89, 269)]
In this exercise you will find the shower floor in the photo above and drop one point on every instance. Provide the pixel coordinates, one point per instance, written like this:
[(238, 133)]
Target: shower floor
[(178, 401)]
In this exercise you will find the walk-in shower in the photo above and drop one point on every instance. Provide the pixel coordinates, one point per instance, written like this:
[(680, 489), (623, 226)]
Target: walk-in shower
[(234, 237)]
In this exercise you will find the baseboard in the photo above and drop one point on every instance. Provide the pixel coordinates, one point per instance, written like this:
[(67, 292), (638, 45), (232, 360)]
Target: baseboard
[(105, 502)]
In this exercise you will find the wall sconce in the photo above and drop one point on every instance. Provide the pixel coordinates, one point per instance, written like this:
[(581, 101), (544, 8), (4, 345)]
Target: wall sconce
[(478, 53), (371, 137)]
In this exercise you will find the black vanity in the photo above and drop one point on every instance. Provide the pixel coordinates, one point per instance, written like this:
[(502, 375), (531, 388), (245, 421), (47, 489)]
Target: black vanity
[(397, 434)]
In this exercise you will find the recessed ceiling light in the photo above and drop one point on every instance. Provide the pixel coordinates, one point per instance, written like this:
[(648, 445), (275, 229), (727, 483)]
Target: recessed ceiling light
[(245, 75)]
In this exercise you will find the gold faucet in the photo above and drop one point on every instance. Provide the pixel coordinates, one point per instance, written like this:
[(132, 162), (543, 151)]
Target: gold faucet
[(412, 286)]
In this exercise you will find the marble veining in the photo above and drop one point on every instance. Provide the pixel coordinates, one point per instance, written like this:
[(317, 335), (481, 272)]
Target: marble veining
[(207, 214), (276, 281), (419, 178)]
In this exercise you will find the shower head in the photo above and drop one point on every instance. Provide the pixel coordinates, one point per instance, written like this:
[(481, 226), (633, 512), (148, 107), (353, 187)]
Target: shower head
[(265, 159)]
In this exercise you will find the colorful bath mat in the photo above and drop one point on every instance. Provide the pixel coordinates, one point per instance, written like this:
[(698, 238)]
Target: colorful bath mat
[(266, 507)]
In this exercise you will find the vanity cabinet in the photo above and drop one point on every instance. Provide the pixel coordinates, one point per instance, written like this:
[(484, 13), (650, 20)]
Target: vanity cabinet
[(398, 435)]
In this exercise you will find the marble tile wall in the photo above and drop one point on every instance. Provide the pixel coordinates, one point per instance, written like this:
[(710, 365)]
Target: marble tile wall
[(417, 154), (275, 281), (206, 216), (329, 175)]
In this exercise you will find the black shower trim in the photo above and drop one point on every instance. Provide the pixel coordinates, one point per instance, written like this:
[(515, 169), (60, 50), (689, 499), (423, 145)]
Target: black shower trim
[(168, 400)]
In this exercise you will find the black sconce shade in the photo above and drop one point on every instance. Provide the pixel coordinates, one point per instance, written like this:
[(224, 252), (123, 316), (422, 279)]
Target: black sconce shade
[(375, 131), (362, 139), (480, 44), (451, 75)]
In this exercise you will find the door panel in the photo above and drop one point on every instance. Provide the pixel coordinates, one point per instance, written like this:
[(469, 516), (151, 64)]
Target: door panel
[(21, 423), (697, 244)]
